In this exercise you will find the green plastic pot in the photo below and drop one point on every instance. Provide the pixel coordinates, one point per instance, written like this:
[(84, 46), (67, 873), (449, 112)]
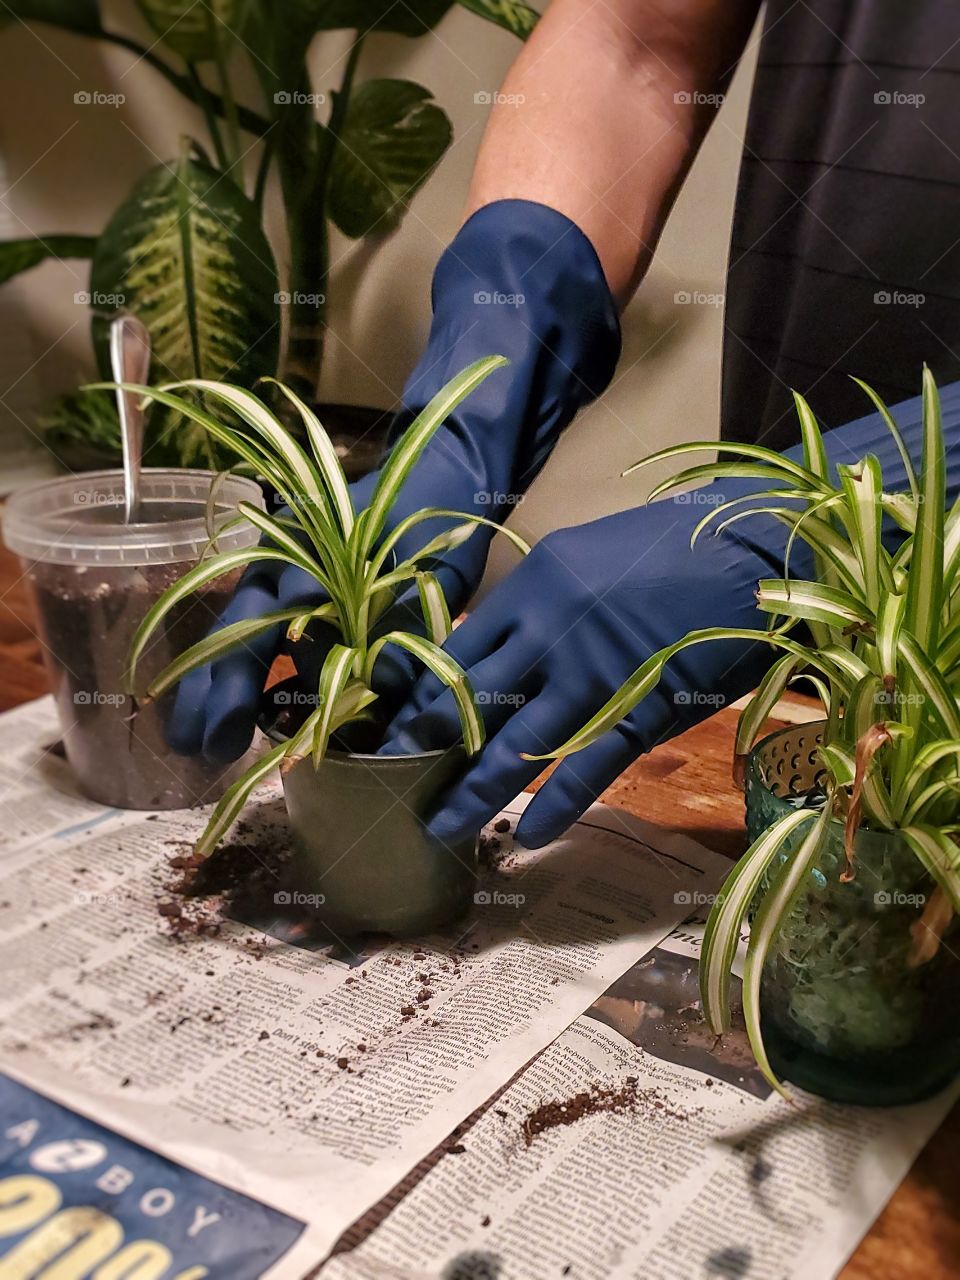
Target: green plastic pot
[(363, 860), (843, 1014)]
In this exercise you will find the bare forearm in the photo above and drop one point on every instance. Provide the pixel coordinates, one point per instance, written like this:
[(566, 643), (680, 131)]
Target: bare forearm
[(602, 113)]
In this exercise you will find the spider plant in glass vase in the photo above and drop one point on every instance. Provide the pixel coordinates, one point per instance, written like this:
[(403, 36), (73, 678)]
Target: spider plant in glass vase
[(361, 852), (852, 881)]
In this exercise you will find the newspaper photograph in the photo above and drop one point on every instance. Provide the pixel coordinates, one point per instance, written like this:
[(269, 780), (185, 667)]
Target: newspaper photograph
[(172, 1074)]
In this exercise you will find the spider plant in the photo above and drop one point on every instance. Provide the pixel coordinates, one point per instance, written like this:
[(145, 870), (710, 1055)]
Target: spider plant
[(878, 635), (351, 554)]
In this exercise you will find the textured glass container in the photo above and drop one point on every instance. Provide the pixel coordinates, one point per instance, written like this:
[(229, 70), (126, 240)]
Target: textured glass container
[(844, 1014)]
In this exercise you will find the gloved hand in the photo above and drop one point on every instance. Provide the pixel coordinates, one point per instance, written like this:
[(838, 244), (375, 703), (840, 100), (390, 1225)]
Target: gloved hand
[(558, 636), (519, 280)]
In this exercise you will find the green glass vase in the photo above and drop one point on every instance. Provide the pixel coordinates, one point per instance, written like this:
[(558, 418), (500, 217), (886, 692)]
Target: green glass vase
[(844, 1014)]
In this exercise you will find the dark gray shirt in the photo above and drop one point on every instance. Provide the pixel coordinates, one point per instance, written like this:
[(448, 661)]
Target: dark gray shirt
[(845, 254)]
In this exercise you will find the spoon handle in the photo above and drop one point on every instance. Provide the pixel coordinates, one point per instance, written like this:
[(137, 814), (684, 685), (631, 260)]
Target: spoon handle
[(130, 362)]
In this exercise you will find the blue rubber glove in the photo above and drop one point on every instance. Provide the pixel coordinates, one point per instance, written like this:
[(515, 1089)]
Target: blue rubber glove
[(557, 637), (519, 280)]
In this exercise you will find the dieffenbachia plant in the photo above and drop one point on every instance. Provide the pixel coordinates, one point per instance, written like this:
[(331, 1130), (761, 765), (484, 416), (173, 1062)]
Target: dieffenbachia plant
[(351, 554), (187, 250), (882, 649)]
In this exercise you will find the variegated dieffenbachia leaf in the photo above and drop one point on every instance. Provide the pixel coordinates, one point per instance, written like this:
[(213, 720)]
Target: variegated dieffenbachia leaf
[(392, 137), (185, 253), (513, 15), (194, 28)]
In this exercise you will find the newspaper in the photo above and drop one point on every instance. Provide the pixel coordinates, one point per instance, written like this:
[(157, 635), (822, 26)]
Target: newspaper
[(682, 1162), (227, 1104)]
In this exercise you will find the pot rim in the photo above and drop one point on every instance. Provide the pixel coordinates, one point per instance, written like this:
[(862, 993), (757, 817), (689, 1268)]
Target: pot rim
[(359, 757)]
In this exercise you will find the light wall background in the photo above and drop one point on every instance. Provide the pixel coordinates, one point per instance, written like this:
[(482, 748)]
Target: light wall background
[(64, 169)]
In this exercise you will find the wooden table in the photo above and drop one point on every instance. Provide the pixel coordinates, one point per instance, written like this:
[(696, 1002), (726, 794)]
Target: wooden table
[(685, 786)]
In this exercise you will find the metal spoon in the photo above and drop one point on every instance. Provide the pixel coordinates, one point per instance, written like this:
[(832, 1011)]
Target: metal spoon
[(130, 362)]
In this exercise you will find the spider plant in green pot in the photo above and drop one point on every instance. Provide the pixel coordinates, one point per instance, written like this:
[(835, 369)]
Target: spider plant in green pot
[(362, 856), (852, 880)]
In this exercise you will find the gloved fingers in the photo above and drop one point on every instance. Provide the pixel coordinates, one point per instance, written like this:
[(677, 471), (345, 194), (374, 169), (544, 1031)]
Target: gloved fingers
[(192, 713), (498, 773), (574, 785), (482, 635), (234, 698), (502, 684)]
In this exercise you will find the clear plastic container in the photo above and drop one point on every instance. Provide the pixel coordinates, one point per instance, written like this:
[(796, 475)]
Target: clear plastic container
[(93, 578)]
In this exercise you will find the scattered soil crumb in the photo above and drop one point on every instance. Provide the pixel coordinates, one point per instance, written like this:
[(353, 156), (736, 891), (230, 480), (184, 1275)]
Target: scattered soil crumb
[(456, 1149), (598, 1098), (361, 1048), (419, 955), (502, 824), (407, 1011), (264, 1035), (343, 1063), (486, 1220), (124, 1082), (424, 995)]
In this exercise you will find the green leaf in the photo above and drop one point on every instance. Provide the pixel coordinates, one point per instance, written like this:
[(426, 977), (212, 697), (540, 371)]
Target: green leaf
[(939, 855), (326, 457), (433, 606), (814, 454), (81, 423), (889, 625), (186, 254), (216, 644), (412, 443), (807, 600), (403, 18), (722, 935), (925, 579), (863, 485), (926, 678), (895, 432), (441, 542), (334, 677), (763, 701), (447, 670), (782, 466), (194, 28), (21, 255), (512, 15), (194, 578), (75, 15), (773, 910), (636, 687), (392, 137)]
